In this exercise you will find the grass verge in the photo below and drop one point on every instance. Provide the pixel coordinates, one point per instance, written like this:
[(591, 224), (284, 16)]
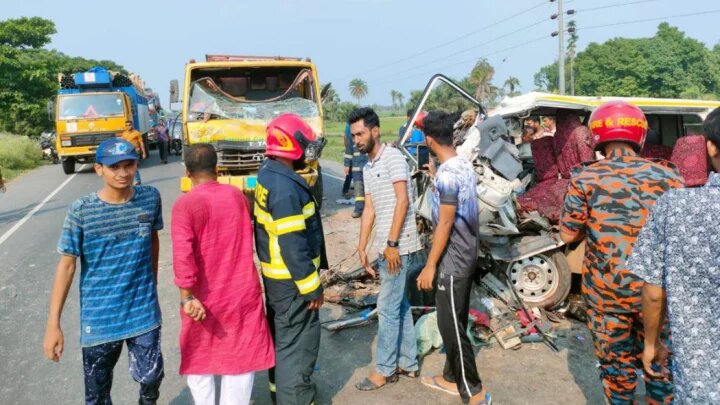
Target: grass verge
[(17, 155), (334, 132)]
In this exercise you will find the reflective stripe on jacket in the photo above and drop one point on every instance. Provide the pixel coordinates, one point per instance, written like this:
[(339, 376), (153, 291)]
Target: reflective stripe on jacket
[(288, 234)]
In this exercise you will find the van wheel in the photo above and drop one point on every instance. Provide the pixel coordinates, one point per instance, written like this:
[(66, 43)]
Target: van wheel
[(542, 280), (68, 165)]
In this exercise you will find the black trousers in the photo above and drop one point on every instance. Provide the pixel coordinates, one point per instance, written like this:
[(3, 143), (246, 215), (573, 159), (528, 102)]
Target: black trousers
[(452, 301), (163, 149), (296, 334)]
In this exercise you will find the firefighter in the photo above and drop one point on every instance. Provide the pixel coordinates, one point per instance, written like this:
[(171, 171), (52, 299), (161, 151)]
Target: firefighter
[(607, 203), (291, 248), (354, 162)]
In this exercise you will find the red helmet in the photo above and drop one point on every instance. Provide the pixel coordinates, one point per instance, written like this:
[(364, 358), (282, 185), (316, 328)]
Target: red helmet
[(290, 137), (419, 120), (618, 121)]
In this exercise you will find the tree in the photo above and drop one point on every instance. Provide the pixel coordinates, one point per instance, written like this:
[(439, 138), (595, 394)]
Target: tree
[(511, 84), (480, 78), (28, 73), (668, 64), (401, 99), (396, 97), (358, 89)]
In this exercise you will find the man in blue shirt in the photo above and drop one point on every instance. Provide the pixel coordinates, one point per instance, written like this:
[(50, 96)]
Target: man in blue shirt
[(677, 256), (114, 234), (454, 257)]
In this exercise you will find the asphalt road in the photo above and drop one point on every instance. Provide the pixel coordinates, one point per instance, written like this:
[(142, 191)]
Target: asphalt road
[(27, 264)]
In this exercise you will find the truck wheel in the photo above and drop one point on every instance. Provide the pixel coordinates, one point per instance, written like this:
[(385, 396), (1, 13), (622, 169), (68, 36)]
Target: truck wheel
[(317, 189), (68, 165), (542, 280)]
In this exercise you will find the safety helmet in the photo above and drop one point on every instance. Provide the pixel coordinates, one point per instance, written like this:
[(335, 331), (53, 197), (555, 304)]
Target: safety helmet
[(420, 118), (618, 121), (288, 136)]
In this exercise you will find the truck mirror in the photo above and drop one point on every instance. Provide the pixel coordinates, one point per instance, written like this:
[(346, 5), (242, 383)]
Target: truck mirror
[(174, 90)]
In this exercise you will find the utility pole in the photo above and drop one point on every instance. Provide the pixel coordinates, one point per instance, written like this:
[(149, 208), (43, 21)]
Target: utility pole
[(560, 33), (561, 48)]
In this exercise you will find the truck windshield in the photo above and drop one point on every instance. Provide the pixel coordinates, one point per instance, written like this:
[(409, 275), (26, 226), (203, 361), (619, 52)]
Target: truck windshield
[(90, 106), (206, 101)]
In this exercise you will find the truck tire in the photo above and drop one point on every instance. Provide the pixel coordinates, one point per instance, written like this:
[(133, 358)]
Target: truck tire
[(542, 280), (317, 189), (68, 165)]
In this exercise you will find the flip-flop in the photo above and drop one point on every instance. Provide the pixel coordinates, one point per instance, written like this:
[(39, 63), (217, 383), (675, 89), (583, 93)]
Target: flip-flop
[(407, 374), (434, 385), (487, 400), (367, 385)]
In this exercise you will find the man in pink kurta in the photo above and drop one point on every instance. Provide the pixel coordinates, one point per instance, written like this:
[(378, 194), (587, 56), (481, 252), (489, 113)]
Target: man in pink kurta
[(224, 328)]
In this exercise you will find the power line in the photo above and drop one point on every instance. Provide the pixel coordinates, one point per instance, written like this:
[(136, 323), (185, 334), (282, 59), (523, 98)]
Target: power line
[(465, 50), (615, 5), (450, 42), (524, 43), (649, 20)]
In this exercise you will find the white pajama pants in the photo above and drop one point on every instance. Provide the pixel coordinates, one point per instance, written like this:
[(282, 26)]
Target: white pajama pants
[(234, 389)]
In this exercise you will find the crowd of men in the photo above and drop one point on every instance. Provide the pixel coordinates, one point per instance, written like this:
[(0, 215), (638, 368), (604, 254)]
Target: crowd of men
[(644, 303)]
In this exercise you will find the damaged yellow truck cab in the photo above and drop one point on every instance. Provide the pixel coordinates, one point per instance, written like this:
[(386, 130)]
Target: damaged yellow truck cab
[(227, 102)]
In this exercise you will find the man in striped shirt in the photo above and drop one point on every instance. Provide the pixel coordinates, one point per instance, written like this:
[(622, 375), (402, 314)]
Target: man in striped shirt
[(114, 234), (388, 192)]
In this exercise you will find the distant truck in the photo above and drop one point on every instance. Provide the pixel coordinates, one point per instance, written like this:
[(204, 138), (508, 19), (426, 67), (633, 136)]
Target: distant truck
[(228, 101), (93, 106)]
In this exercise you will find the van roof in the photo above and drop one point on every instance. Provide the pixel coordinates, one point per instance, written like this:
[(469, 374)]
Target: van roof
[(533, 101)]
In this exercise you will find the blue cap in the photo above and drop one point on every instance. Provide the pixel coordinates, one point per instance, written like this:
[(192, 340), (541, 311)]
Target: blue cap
[(115, 150)]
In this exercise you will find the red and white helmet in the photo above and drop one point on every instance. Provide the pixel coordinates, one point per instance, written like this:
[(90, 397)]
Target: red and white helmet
[(618, 121), (288, 136)]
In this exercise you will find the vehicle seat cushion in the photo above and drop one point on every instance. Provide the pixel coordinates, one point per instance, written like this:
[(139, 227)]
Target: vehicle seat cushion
[(546, 197), (543, 153), (571, 142), (690, 156)]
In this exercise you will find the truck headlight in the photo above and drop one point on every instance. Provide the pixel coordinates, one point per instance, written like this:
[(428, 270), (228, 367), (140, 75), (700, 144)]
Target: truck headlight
[(66, 143)]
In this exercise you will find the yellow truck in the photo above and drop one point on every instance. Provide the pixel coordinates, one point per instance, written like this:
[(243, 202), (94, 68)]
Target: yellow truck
[(91, 107), (227, 101)]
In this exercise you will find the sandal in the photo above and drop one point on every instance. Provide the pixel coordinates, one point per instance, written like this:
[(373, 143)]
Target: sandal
[(432, 383), (486, 401), (407, 374), (367, 385)]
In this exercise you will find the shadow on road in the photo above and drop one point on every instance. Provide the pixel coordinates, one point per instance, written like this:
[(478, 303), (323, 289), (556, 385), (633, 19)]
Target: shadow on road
[(15, 215)]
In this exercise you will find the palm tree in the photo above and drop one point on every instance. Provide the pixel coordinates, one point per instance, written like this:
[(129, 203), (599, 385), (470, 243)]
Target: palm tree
[(394, 95), (511, 84), (481, 77), (401, 99), (358, 89)]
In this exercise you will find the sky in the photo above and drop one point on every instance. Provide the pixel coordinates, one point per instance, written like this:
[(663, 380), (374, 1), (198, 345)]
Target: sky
[(391, 44)]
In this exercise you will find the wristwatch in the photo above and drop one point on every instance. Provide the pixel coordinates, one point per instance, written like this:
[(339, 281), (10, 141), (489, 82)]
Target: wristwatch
[(392, 243), (186, 300)]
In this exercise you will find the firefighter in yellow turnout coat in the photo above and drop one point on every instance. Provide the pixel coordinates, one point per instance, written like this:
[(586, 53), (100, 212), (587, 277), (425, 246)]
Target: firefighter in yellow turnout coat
[(291, 247)]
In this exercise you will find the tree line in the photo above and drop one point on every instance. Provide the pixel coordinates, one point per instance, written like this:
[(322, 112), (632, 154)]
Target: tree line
[(28, 73), (667, 65)]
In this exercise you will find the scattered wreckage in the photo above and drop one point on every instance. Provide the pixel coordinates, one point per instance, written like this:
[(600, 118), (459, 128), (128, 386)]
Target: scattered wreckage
[(521, 259)]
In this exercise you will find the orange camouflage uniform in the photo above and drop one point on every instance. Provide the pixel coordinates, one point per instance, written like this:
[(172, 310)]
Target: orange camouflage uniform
[(610, 200)]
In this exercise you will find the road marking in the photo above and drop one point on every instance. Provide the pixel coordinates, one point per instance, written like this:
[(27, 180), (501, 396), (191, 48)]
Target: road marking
[(20, 223)]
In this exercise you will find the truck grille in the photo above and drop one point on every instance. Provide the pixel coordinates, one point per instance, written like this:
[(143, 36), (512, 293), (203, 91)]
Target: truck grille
[(240, 156), (90, 139)]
